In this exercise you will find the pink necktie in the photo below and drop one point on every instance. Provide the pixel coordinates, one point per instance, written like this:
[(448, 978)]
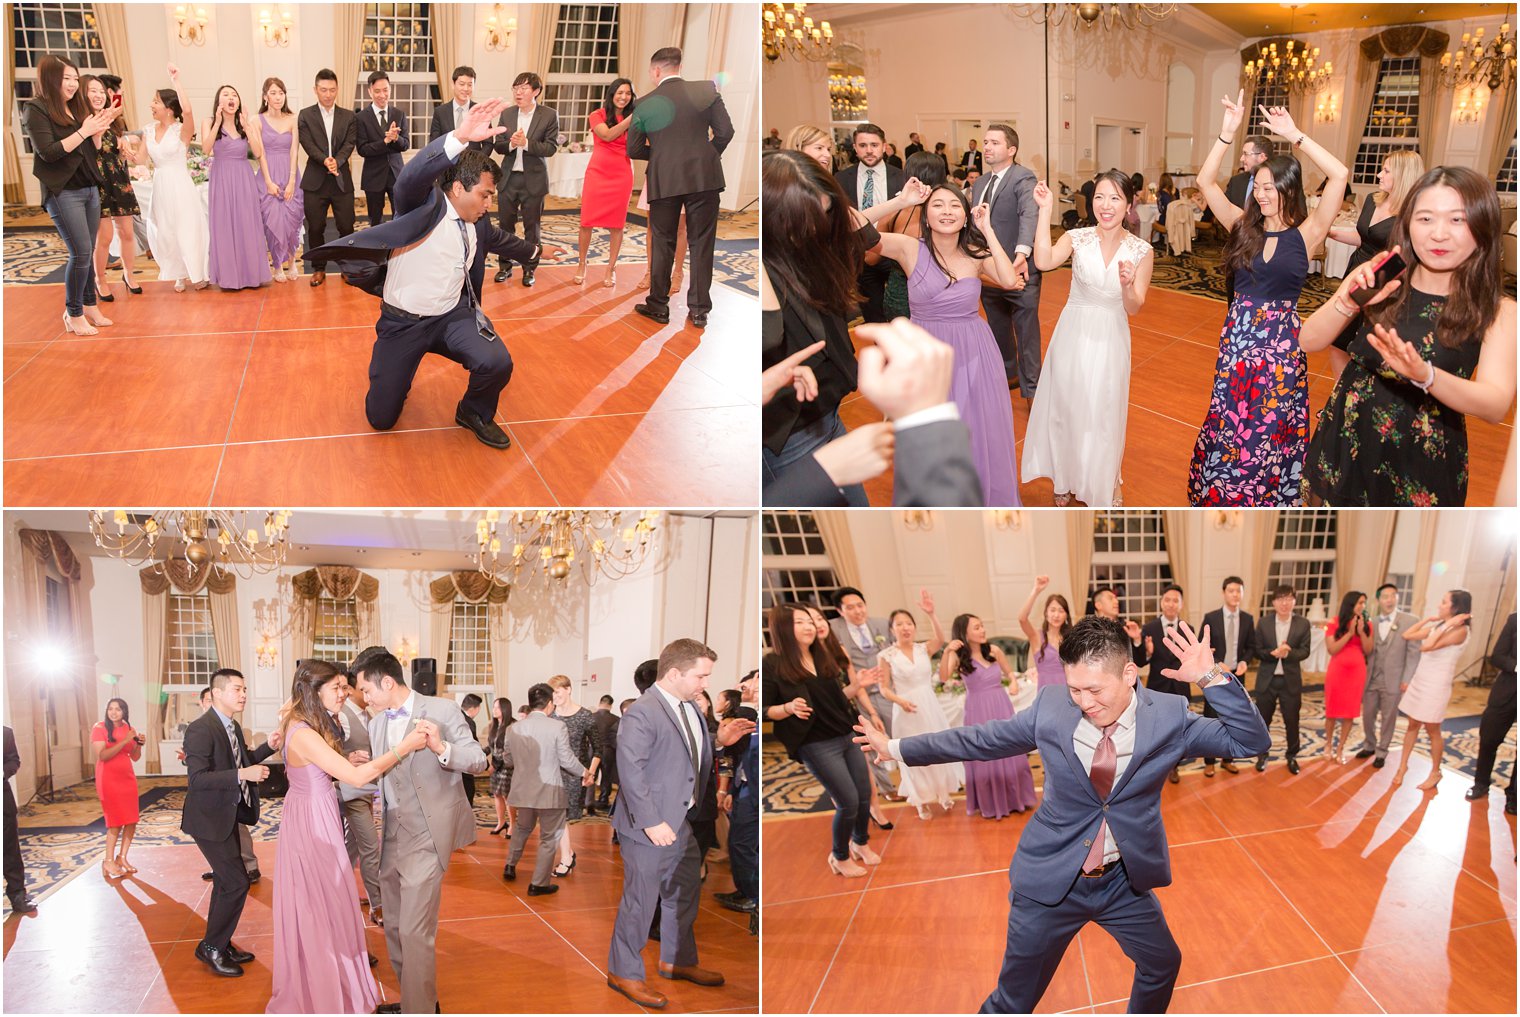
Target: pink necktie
[(1105, 762)]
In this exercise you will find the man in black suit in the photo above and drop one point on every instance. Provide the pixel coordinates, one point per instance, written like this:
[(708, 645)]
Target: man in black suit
[(327, 132), (971, 159), (606, 728), (1282, 645), (871, 182), (914, 145), (1498, 717), (427, 265), (1254, 151), (532, 136), (1158, 654), (1014, 315), (682, 128), (1232, 636), (450, 115), (224, 791), (470, 707), (15, 871), (382, 137)]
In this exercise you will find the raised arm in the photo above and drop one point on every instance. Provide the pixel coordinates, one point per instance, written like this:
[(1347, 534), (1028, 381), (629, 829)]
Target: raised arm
[(1047, 255), (1208, 184), (926, 603), (914, 192), (1315, 228), (998, 269), (949, 661), (1454, 632), (1040, 582)]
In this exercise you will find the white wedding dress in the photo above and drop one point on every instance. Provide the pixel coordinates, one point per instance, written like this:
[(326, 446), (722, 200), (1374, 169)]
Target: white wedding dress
[(1076, 425), (181, 232), (913, 680)]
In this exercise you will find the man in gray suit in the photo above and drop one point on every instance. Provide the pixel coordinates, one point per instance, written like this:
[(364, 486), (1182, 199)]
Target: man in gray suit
[(357, 802), (426, 819), (665, 759), (1013, 314), (863, 638), (1282, 644), (1392, 663), (537, 749)]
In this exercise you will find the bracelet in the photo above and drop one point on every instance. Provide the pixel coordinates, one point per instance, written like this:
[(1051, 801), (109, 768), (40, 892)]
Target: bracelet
[(1223, 140), (1301, 136), (1336, 303), (399, 757), (1425, 386)]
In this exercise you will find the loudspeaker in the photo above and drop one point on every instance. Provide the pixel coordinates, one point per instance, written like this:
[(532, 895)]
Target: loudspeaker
[(425, 676)]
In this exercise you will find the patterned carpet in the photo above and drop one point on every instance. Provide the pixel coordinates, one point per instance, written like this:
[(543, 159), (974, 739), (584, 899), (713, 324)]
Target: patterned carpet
[(791, 790)]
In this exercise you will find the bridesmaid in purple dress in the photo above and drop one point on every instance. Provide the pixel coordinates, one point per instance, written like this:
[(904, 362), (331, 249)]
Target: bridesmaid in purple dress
[(321, 964), (1045, 645), (280, 202), (945, 270), (238, 253), (999, 786)]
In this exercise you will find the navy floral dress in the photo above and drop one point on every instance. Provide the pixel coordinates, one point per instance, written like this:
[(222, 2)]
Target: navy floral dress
[(1251, 447), (1381, 441)]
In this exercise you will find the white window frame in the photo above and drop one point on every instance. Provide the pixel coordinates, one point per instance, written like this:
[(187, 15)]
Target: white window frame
[(1308, 568), (1138, 574), (1380, 139), (329, 642), (1269, 94), (782, 566), (1505, 184), (183, 665), (88, 58), (415, 91), (574, 94), (469, 658)]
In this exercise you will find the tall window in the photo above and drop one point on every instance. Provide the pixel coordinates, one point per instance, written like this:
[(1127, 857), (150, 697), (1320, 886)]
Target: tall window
[(66, 30), (583, 63), (1268, 94), (1303, 556), (1405, 582), (337, 636), (469, 660), (192, 644), (794, 563), (1506, 181), (1129, 555), (398, 39), (1393, 122)]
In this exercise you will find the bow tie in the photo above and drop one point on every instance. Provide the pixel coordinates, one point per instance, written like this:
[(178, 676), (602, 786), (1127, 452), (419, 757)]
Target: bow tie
[(393, 714)]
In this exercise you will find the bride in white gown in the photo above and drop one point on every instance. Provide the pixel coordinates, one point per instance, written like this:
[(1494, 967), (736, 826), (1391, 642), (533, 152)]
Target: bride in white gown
[(181, 236), (1076, 424), (908, 684)]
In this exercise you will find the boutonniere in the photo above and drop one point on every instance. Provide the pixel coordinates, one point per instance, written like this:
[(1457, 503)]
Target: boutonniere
[(881, 640)]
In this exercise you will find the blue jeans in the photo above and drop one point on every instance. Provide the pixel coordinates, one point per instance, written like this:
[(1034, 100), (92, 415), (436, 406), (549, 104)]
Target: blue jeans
[(76, 213), (840, 766), (803, 442)]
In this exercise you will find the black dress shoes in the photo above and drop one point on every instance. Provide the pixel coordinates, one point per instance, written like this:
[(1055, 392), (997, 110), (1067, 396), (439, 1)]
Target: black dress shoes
[(22, 903), (218, 961), (238, 956), (1261, 763), (539, 891), (659, 314), (504, 273), (528, 276), (1476, 793), (318, 277), (1293, 765), (735, 902), (206, 876), (1365, 753), (509, 872), (485, 430), (388, 1008), (698, 319), (1379, 762)]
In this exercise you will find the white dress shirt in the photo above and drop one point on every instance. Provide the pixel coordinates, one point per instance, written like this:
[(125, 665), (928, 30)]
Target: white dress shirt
[(1385, 623), (395, 728), (427, 277), (692, 722), (879, 195), (1282, 637), (327, 123), (524, 122)]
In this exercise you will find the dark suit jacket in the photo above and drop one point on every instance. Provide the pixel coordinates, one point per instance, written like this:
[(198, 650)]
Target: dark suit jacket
[(1502, 657), (932, 468), (1160, 659), (362, 256), (1235, 189), (912, 148), (684, 151), (1266, 642), (848, 177), (1051, 849), (1014, 213), (606, 728), (313, 138), (443, 123), (1245, 635), (382, 159), (12, 765), (971, 159), (214, 804), (543, 141)]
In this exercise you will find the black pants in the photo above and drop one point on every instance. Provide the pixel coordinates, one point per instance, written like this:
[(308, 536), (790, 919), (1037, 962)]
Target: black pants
[(375, 200), (873, 286), (400, 345), (1014, 316), (229, 887), (607, 777), (701, 233), (1498, 717), (469, 788), (744, 842), (317, 204), (513, 202), (15, 873), (1270, 691)]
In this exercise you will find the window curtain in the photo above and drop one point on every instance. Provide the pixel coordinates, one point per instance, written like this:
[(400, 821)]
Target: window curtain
[(1422, 557), (444, 24), (1079, 551), (15, 191), (1504, 102), (1261, 534), (1174, 523), (834, 527), (1401, 41), (1364, 538), (73, 698), (541, 44), (473, 588), (111, 26), (348, 46), (717, 38), (155, 653), (340, 582), (633, 61)]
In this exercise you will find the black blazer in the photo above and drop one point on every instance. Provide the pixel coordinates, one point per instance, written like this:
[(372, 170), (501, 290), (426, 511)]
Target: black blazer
[(542, 143), (382, 160), (1298, 650), (847, 178), (1245, 635), (971, 159), (362, 257), (1160, 659), (443, 123), (313, 138), (53, 167), (913, 147), (1235, 189), (684, 157), (1502, 657), (214, 805)]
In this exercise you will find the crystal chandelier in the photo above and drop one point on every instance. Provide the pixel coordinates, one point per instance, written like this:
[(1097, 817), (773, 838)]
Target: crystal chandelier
[(788, 31), (1478, 63), (1106, 16), (201, 537), (1297, 67), (515, 547)]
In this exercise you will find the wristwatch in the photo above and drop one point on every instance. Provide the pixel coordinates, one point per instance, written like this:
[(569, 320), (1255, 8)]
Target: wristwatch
[(1218, 675)]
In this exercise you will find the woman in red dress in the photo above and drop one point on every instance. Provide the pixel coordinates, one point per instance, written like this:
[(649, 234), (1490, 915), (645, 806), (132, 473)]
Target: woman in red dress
[(1349, 640), (117, 747), (609, 176)]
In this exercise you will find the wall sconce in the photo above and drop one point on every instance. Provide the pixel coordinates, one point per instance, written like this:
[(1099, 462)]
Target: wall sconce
[(267, 651), (499, 33), (192, 25), (1325, 111), (918, 519), (1228, 519), (1008, 519), (275, 36), (406, 652), (1470, 107)]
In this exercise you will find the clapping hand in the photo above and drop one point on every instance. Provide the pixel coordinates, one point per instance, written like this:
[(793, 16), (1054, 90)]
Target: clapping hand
[(479, 123), (1280, 122), (793, 372), (1234, 113), (915, 191), (243, 121), (393, 131), (1126, 274), (871, 741), (1400, 355), (1282, 651), (519, 139), (1195, 658), (732, 729), (1042, 196)]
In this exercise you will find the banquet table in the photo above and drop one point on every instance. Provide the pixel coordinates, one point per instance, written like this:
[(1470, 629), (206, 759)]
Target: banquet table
[(1149, 212), (1022, 694), (567, 173)]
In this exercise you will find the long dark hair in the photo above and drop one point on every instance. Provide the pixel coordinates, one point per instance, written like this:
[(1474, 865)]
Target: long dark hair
[(264, 95), (610, 110), (928, 167), (216, 114), (50, 84), (730, 700), (117, 127), (1461, 603), (306, 702), (964, 664), (789, 652), (969, 241), (1348, 608), (170, 98), (826, 638), (810, 252), (1045, 625), (125, 718), (1473, 303), (1249, 235), (504, 707)]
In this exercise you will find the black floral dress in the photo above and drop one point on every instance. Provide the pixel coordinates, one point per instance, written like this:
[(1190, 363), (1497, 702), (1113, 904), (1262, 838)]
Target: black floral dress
[(1380, 440), (585, 742), (116, 197)]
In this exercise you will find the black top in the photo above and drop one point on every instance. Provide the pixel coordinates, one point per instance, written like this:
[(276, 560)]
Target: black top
[(832, 716), (58, 170), (1375, 237)]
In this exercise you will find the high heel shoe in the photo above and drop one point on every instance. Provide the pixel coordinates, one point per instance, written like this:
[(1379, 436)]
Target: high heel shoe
[(99, 320), (78, 326), (848, 867), (500, 827), (862, 853), (611, 281), (578, 278), (125, 866), (110, 869), (136, 291), (105, 298), (924, 813), (881, 825), (179, 286)]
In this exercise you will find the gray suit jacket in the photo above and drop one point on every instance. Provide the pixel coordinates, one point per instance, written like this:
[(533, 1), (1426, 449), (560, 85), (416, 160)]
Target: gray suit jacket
[(1393, 660), (543, 141), (537, 748), (1014, 213), (423, 786), (880, 634), (1266, 642), (655, 775), (357, 741)]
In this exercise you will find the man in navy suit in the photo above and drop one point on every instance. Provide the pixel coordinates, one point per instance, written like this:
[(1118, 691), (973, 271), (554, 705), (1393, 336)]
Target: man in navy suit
[(382, 137), (427, 265), (1096, 848), (871, 181), (1232, 636)]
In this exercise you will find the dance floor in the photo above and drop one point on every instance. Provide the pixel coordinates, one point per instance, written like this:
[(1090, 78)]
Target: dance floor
[(127, 946), (1174, 343), (1328, 892), (257, 396)]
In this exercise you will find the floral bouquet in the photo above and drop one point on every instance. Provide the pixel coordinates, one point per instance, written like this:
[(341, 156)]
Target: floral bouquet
[(954, 686), (199, 163)]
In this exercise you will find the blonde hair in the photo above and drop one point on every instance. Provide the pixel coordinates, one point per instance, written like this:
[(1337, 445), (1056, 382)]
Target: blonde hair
[(804, 135), (559, 681), (1407, 168)]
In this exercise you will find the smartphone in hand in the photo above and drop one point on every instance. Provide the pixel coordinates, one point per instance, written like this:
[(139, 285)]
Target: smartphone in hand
[(1386, 273)]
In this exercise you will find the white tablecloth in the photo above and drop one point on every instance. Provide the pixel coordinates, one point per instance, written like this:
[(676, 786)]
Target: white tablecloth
[(567, 173), (1021, 692), (1337, 255), (1148, 212)]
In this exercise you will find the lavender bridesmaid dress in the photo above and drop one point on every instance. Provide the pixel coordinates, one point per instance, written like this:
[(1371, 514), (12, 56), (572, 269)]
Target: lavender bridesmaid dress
[(999, 786), (1048, 668), (282, 219), (239, 257), (321, 964)]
